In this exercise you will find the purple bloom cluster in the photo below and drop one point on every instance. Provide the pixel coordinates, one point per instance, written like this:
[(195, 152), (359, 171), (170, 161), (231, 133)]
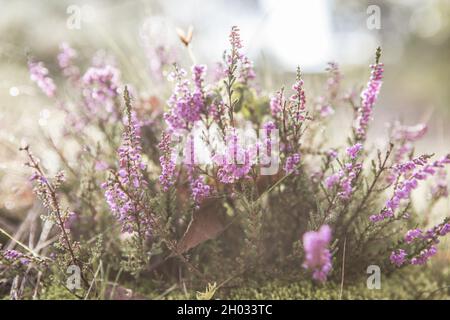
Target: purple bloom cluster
[(317, 254), (343, 179), (404, 136), (125, 190), (333, 80), (11, 255), (65, 58), (353, 151), (413, 234), (159, 57), (39, 75), (235, 38), (186, 105), (412, 172), (430, 238), (440, 188), (167, 162), (200, 190), (100, 86), (424, 255), (291, 163), (14, 255), (324, 103), (368, 98), (246, 71), (326, 111), (237, 161), (276, 104), (398, 257), (298, 99)]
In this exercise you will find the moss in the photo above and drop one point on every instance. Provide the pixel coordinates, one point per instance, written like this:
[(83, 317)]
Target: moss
[(56, 292), (409, 284)]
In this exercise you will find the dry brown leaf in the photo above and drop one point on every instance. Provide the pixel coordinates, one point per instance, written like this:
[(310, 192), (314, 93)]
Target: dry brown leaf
[(207, 223)]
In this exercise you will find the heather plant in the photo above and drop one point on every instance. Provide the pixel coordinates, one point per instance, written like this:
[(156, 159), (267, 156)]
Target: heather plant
[(224, 186)]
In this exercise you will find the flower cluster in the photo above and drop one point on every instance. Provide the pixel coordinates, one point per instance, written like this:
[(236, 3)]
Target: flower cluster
[(404, 136), (333, 81), (412, 172), (167, 162), (237, 161), (277, 104), (298, 99), (317, 254), (65, 61), (440, 187), (39, 75), (124, 190), (100, 88), (291, 163), (425, 240), (354, 150), (12, 256), (398, 257), (200, 190), (332, 85), (369, 97), (235, 57), (185, 105), (345, 177)]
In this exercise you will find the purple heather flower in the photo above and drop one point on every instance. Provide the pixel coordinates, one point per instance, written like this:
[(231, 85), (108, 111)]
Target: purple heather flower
[(235, 38), (167, 162), (100, 86), (267, 144), (332, 180), (124, 192), (12, 255), (65, 57), (404, 136), (276, 104), (246, 71), (159, 57), (424, 255), (353, 151), (369, 97), (298, 99), (101, 165), (186, 105), (199, 189), (39, 75), (326, 111), (334, 79), (412, 172), (237, 161), (291, 164), (70, 220), (343, 179), (332, 153), (317, 254), (398, 257), (440, 188), (413, 234)]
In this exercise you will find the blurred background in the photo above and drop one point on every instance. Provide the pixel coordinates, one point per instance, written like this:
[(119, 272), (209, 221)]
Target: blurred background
[(277, 34)]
